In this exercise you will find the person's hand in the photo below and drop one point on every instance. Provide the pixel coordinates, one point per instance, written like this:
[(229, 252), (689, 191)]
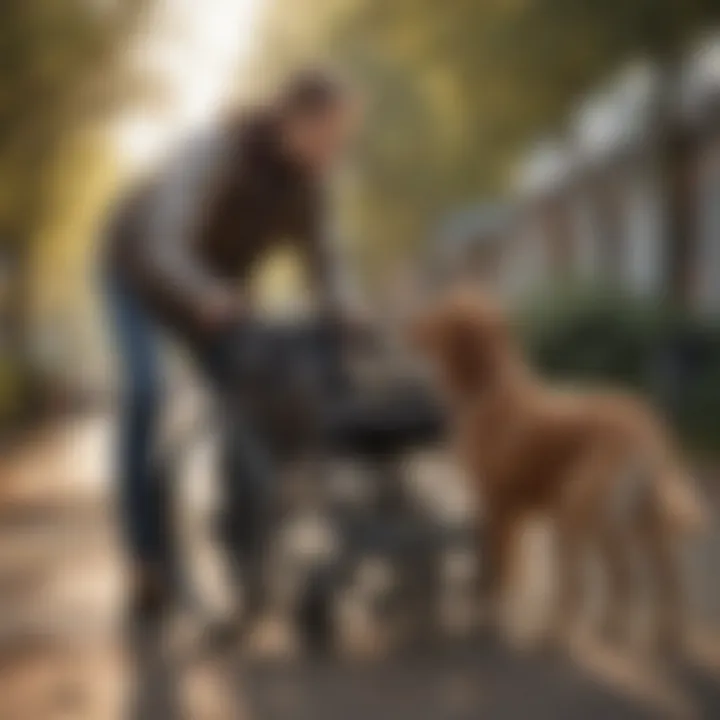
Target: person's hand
[(220, 308)]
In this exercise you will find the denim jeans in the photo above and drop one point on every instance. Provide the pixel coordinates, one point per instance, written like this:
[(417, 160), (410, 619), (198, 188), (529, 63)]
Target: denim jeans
[(246, 471), (137, 341)]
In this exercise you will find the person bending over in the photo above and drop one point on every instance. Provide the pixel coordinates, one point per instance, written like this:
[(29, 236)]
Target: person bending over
[(179, 252)]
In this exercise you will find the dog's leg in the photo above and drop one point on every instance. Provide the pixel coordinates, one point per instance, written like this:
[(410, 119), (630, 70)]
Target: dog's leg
[(639, 504), (665, 573), (614, 544), (576, 522), (497, 556), (568, 604)]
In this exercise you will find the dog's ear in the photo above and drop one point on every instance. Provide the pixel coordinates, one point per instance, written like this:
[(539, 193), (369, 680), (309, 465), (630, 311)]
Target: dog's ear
[(466, 337), (477, 345)]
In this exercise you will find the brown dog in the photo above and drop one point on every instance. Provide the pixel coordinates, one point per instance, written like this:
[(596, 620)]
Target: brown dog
[(601, 464)]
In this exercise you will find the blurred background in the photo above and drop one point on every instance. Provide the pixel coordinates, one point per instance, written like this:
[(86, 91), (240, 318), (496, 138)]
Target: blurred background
[(561, 147), (565, 152)]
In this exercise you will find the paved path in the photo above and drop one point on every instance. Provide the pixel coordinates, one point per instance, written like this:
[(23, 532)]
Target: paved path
[(60, 590)]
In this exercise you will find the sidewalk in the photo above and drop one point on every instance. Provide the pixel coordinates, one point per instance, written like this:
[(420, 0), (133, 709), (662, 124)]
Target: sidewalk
[(60, 597)]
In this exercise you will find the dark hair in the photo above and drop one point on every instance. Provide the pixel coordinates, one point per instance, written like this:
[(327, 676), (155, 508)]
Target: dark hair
[(312, 92)]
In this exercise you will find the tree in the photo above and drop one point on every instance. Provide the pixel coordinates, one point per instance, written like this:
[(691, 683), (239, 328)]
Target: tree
[(61, 68)]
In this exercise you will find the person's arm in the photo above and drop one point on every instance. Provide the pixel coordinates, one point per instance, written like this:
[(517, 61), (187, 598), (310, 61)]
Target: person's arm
[(180, 203)]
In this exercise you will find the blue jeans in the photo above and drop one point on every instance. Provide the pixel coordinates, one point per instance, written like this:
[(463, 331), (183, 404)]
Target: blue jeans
[(138, 349), (246, 471)]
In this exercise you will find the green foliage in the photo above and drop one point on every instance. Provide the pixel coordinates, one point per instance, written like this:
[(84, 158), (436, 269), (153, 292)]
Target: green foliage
[(62, 69), (59, 66)]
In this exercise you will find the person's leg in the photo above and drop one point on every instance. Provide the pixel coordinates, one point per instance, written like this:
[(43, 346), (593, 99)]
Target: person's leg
[(247, 476), (137, 346), (248, 481)]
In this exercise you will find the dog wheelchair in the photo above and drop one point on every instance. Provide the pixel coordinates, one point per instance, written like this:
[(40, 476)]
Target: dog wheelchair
[(297, 385)]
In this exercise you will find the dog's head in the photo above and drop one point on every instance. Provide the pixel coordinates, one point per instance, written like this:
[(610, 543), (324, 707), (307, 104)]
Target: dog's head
[(467, 339)]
